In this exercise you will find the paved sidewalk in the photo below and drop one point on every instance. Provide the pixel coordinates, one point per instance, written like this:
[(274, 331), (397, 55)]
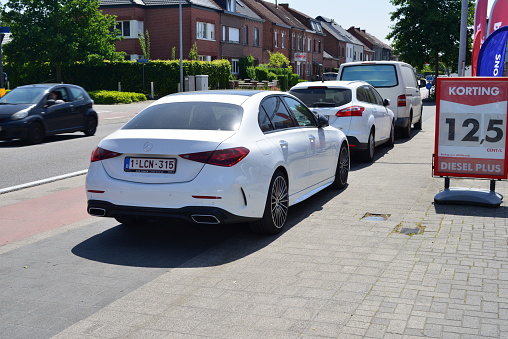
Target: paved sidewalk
[(332, 274)]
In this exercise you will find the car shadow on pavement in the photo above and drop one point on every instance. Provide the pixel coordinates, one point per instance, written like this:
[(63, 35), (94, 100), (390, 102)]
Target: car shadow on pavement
[(170, 244)]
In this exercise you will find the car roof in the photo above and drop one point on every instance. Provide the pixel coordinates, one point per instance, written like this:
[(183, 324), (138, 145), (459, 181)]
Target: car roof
[(46, 85), (330, 84), (236, 96)]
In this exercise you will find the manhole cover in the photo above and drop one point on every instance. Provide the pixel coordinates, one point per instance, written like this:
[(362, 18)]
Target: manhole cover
[(410, 231), (375, 217)]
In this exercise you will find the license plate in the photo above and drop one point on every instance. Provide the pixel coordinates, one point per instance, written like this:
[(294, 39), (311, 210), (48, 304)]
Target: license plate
[(150, 165)]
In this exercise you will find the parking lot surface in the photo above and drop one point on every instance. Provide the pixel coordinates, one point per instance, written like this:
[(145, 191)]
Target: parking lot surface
[(376, 260)]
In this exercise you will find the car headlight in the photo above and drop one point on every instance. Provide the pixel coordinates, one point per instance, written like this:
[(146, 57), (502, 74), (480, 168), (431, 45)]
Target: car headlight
[(21, 114)]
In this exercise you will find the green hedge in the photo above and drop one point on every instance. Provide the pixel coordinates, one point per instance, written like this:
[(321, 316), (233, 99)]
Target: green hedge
[(133, 76), (115, 97)]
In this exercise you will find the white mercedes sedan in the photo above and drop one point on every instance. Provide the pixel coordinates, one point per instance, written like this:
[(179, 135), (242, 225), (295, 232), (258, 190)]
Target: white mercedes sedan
[(216, 157)]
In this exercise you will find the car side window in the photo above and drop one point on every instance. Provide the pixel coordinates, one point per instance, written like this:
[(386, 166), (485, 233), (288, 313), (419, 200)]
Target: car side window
[(264, 122), (303, 116), (375, 95), (77, 93), (62, 94), (277, 113), (362, 95)]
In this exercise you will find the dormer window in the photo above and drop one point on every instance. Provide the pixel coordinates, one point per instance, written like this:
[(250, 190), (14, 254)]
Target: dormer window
[(317, 27), (231, 5)]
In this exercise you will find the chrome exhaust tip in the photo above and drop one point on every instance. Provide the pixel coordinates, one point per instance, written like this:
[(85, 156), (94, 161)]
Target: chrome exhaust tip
[(205, 219), (97, 212)]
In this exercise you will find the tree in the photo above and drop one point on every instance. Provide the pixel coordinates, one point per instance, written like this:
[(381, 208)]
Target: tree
[(58, 32), (144, 42), (193, 54), (428, 31)]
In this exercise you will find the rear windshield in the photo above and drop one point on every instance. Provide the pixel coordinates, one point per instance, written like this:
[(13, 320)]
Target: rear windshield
[(188, 115), (376, 75), (323, 96)]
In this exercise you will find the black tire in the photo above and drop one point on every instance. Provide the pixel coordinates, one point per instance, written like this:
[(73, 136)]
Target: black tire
[(131, 221), (391, 140), (90, 126), (418, 125), (36, 133), (368, 154), (342, 171), (276, 208), (406, 131)]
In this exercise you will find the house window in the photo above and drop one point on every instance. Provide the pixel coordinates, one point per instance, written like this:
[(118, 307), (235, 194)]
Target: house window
[(256, 36), (204, 58), (283, 38), (317, 27), (246, 41), (124, 27), (309, 45), (235, 66), (234, 34), (130, 29), (276, 38), (205, 31), (300, 43)]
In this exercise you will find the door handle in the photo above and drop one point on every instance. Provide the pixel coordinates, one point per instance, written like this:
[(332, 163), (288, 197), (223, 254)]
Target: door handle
[(312, 138), (283, 144)]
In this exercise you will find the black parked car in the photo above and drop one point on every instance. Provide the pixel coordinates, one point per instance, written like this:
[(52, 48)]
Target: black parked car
[(32, 112)]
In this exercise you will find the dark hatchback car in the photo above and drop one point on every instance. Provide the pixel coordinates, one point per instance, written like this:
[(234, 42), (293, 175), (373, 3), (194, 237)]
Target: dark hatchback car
[(31, 113)]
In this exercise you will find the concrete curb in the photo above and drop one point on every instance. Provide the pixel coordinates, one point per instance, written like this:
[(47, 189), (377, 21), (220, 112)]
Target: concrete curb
[(41, 182)]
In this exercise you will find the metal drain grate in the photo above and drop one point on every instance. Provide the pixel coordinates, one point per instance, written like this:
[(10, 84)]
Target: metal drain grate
[(375, 217)]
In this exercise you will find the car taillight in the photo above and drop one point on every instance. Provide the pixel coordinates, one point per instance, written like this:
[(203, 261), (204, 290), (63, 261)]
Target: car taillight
[(352, 111), (401, 100), (224, 157), (99, 154)]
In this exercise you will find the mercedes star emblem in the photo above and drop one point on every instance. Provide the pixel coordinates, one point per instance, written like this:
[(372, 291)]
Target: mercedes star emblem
[(147, 147)]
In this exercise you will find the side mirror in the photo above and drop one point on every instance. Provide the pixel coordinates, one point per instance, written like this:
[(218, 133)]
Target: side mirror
[(49, 102), (322, 121), (386, 102)]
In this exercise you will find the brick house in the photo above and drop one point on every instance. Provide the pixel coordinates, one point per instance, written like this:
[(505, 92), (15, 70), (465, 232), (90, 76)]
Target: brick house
[(313, 42), (286, 34), (241, 33), (201, 21), (342, 44), (381, 51)]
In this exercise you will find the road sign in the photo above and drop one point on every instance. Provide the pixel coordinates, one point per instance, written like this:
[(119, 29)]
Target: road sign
[(142, 60), (428, 85), (471, 121)]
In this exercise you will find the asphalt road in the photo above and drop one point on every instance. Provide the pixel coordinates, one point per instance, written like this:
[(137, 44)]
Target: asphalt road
[(60, 154)]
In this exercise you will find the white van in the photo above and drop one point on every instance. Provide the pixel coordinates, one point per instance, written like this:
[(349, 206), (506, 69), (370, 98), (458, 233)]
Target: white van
[(395, 81)]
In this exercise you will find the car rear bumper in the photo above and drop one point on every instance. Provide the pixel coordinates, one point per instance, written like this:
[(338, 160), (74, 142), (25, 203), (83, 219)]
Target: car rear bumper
[(355, 145), (194, 214)]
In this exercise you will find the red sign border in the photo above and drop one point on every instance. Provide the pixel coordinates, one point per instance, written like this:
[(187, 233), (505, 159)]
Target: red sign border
[(436, 171)]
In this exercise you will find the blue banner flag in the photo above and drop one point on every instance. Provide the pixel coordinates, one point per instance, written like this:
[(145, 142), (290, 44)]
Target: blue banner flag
[(492, 54)]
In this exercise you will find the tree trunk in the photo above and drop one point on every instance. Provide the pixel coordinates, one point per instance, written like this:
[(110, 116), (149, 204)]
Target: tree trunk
[(58, 73)]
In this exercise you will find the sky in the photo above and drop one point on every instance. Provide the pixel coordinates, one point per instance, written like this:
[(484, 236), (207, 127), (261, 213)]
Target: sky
[(370, 15)]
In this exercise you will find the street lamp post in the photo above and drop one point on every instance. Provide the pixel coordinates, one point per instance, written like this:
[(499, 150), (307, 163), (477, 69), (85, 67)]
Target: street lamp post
[(181, 44), (463, 38)]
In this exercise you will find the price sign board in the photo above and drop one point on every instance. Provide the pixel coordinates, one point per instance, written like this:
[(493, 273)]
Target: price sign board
[(471, 121)]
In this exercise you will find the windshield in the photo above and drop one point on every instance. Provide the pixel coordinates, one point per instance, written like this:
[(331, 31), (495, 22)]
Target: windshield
[(376, 75), (189, 115), (25, 95), (323, 96)]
